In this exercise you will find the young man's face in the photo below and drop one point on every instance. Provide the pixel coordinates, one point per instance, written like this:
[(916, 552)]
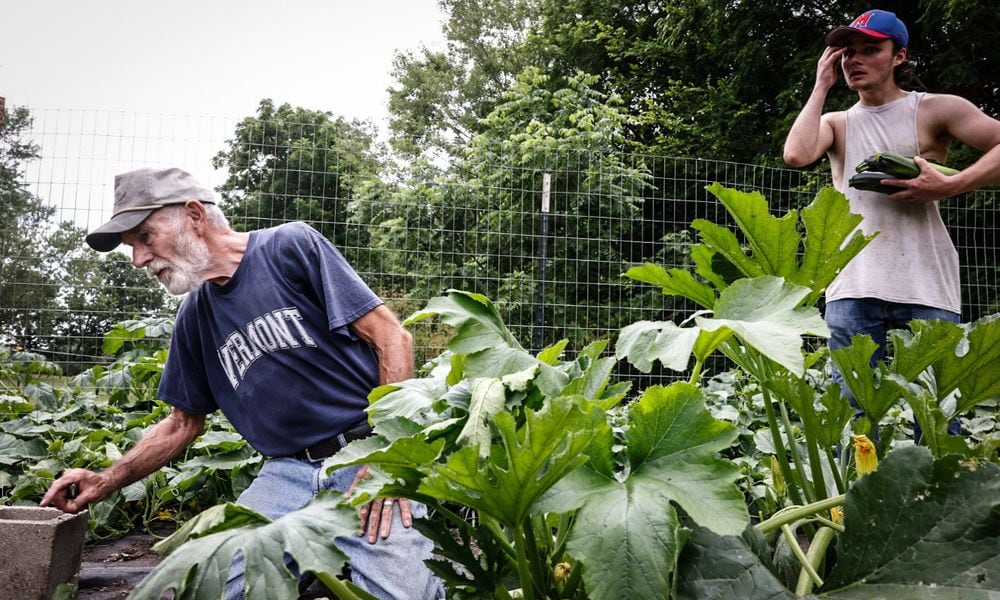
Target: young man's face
[(169, 250), (868, 63)]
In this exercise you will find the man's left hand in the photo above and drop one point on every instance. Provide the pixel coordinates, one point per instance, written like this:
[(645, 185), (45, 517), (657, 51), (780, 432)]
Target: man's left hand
[(377, 515), (929, 186)]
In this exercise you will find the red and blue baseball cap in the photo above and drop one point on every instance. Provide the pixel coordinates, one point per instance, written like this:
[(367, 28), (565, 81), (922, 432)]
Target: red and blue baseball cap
[(878, 24)]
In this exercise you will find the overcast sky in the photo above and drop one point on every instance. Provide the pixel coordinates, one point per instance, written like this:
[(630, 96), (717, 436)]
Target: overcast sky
[(119, 84), (209, 57)]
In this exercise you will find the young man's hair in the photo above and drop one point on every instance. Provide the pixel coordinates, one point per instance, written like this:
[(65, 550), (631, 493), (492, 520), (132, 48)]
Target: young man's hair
[(905, 73)]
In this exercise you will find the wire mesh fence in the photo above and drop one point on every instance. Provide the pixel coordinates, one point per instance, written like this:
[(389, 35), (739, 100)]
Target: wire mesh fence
[(411, 230)]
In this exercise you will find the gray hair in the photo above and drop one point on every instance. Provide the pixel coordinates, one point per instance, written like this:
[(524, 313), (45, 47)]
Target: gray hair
[(213, 215), (216, 218)]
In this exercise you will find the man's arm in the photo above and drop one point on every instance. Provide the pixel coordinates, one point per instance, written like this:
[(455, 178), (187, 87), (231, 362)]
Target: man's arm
[(158, 447), (812, 134), (394, 346), (952, 117)]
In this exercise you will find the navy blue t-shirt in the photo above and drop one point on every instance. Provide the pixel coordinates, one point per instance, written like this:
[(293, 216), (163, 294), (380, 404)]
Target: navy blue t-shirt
[(272, 348)]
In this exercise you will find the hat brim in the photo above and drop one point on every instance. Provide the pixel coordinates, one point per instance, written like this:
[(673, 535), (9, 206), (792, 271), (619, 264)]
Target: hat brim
[(107, 237), (839, 36)]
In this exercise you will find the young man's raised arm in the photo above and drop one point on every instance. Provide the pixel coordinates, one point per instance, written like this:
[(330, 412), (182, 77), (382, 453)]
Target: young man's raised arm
[(812, 134)]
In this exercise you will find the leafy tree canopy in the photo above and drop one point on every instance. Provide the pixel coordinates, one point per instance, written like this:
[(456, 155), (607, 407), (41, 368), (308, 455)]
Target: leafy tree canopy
[(288, 164), (714, 79), (22, 290)]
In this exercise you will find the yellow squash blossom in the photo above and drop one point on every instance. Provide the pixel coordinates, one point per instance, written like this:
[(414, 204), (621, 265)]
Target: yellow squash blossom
[(865, 457), (562, 571), (777, 478)]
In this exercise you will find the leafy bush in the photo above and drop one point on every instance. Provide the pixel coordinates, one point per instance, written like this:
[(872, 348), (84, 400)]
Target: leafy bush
[(49, 423)]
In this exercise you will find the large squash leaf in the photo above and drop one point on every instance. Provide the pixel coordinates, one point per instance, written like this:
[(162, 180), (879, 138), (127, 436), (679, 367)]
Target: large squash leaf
[(923, 344), (764, 312), (476, 320), (672, 444), (482, 344), (972, 369), (645, 342), (526, 462), (715, 567), (307, 535), (874, 393), (674, 282), (831, 239), (626, 533), (488, 398), (405, 399), (919, 528), (400, 459), (212, 520), (774, 241), (500, 362)]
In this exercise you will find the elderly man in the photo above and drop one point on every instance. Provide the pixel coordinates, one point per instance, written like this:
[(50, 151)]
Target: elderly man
[(279, 333)]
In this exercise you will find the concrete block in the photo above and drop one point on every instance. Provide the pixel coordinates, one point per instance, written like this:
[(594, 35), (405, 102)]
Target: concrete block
[(40, 549)]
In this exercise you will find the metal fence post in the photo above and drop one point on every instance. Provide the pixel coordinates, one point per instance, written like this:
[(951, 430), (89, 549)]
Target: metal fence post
[(538, 338)]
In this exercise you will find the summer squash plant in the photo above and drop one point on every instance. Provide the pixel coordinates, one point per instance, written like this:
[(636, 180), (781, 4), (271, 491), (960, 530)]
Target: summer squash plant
[(547, 479)]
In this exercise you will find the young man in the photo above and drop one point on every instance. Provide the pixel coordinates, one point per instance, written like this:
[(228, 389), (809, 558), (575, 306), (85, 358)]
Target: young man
[(284, 337), (910, 270)]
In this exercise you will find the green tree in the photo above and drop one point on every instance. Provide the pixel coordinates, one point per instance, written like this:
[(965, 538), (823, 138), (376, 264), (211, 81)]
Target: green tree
[(714, 79), (288, 164), (485, 217), (440, 97), (24, 293), (95, 294)]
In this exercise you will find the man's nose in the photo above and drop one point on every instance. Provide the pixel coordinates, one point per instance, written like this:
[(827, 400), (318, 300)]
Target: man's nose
[(140, 256)]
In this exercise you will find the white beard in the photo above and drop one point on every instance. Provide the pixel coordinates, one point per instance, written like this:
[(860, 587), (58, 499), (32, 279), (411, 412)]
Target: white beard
[(186, 271)]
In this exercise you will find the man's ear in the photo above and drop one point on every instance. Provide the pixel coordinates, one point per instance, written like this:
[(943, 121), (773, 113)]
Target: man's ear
[(900, 57), (195, 211)]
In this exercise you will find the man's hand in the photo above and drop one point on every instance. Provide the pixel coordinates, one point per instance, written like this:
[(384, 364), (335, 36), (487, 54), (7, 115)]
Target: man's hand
[(930, 185), (828, 67), (376, 516), (75, 490)]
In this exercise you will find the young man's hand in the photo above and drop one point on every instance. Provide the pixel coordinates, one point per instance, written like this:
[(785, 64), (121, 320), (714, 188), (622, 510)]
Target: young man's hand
[(929, 186), (828, 67)]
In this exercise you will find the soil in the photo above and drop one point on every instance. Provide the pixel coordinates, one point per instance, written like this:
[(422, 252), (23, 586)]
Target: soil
[(109, 570)]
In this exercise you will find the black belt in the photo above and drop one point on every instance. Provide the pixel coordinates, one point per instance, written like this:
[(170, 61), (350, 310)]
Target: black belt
[(331, 446)]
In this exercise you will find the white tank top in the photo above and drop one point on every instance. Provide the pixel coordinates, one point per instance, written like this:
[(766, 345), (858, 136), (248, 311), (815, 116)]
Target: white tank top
[(912, 260)]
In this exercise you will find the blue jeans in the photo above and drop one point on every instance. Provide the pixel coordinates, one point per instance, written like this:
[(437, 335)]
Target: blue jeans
[(392, 568), (849, 317)]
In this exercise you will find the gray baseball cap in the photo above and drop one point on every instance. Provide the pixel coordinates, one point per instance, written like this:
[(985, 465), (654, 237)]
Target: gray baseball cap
[(137, 194)]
